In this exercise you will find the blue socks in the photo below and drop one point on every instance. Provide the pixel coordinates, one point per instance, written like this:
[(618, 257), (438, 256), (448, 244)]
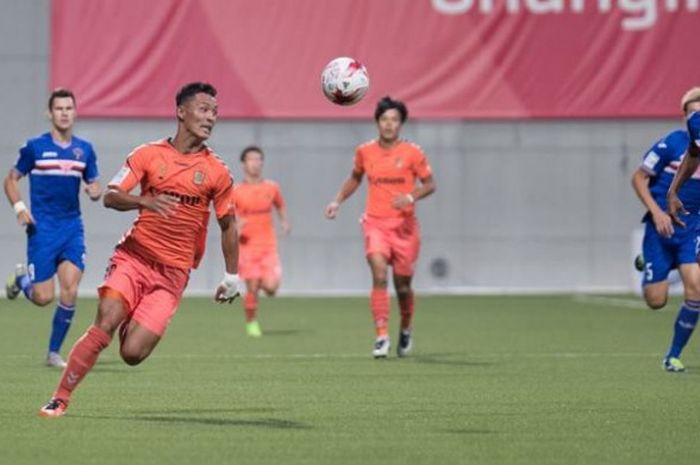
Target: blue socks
[(61, 323), (686, 321), (25, 283)]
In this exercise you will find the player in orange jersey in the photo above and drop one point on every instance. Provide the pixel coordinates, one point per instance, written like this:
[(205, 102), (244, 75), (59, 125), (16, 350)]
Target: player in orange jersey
[(392, 234), (179, 179), (258, 260)]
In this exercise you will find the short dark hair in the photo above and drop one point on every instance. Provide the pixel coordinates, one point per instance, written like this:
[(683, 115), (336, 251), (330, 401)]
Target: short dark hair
[(251, 148), (387, 103), (60, 92), (193, 88)]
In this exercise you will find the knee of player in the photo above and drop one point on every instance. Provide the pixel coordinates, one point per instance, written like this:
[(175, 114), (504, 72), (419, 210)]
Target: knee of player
[(42, 299), (403, 290), (656, 303), (692, 291), (380, 278), (270, 292), (69, 293), (131, 358)]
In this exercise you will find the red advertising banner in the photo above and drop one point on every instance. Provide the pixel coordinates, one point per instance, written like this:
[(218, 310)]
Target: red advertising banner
[(445, 58)]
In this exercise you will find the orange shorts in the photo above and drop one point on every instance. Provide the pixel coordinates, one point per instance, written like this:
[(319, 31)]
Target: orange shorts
[(396, 239), (258, 263), (151, 291)]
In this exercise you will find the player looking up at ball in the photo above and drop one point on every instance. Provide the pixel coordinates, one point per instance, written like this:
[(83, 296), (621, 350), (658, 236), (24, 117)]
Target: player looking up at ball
[(179, 178), (392, 235)]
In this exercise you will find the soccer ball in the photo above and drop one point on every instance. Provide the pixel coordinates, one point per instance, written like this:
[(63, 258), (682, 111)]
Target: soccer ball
[(344, 81)]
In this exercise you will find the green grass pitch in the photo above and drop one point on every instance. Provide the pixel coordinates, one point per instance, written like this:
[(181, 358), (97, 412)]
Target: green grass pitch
[(492, 380)]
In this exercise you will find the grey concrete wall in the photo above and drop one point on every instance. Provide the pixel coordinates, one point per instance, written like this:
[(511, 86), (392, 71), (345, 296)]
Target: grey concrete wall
[(521, 205)]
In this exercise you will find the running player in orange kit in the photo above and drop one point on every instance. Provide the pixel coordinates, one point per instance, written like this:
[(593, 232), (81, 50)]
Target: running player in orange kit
[(258, 260), (146, 276), (392, 234)]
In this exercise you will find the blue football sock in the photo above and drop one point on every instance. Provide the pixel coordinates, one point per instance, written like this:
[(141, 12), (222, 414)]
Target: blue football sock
[(24, 282), (686, 321), (61, 323)]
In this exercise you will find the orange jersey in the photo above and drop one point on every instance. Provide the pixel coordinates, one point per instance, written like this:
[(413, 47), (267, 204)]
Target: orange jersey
[(254, 203), (390, 172), (196, 179)]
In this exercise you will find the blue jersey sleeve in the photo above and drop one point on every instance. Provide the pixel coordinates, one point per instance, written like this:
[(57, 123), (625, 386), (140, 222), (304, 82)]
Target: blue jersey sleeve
[(660, 155), (25, 161), (92, 172)]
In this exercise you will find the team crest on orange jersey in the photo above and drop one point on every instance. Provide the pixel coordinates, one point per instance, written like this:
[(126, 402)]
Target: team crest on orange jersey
[(161, 171), (198, 177), (78, 153), (398, 162)]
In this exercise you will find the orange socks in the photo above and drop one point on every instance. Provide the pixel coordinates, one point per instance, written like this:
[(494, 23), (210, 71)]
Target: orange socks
[(250, 304), (379, 303), (81, 359), (406, 305)]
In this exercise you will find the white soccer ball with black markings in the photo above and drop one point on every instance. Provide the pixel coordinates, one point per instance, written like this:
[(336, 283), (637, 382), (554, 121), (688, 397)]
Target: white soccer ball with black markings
[(344, 81)]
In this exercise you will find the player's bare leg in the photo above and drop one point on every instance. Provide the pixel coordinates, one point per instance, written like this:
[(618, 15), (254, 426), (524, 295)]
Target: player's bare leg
[(406, 299), (379, 303), (687, 317), (18, 282), (656, 295), (43, 293), (137, 343), (69, 276), (269, 285), (83, 356), (250, 305)]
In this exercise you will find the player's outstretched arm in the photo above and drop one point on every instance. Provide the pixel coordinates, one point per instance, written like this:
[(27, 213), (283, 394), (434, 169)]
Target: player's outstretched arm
[(346, 190), (162, 204), (229, 288), (688, 166), (662, 221), (11, 185)]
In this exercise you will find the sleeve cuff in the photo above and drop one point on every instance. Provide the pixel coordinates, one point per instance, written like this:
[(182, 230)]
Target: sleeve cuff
[(648, 171)]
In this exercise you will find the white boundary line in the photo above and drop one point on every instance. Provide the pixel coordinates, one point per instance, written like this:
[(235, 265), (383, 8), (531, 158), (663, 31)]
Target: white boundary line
[(610, 301)]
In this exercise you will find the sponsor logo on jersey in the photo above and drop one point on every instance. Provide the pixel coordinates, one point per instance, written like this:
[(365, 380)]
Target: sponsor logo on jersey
[(182, 198), (49, 155), (254, 211), (389, 180)]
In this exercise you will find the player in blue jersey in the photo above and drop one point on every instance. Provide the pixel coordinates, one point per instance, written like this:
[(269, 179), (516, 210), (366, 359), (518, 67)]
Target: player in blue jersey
[(57, 163), (665, 245)]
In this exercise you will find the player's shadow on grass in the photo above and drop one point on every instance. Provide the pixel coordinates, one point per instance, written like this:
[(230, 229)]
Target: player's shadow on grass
[(266, 423), (466, 431), (448, 359), (198, 417), (201, 411)]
